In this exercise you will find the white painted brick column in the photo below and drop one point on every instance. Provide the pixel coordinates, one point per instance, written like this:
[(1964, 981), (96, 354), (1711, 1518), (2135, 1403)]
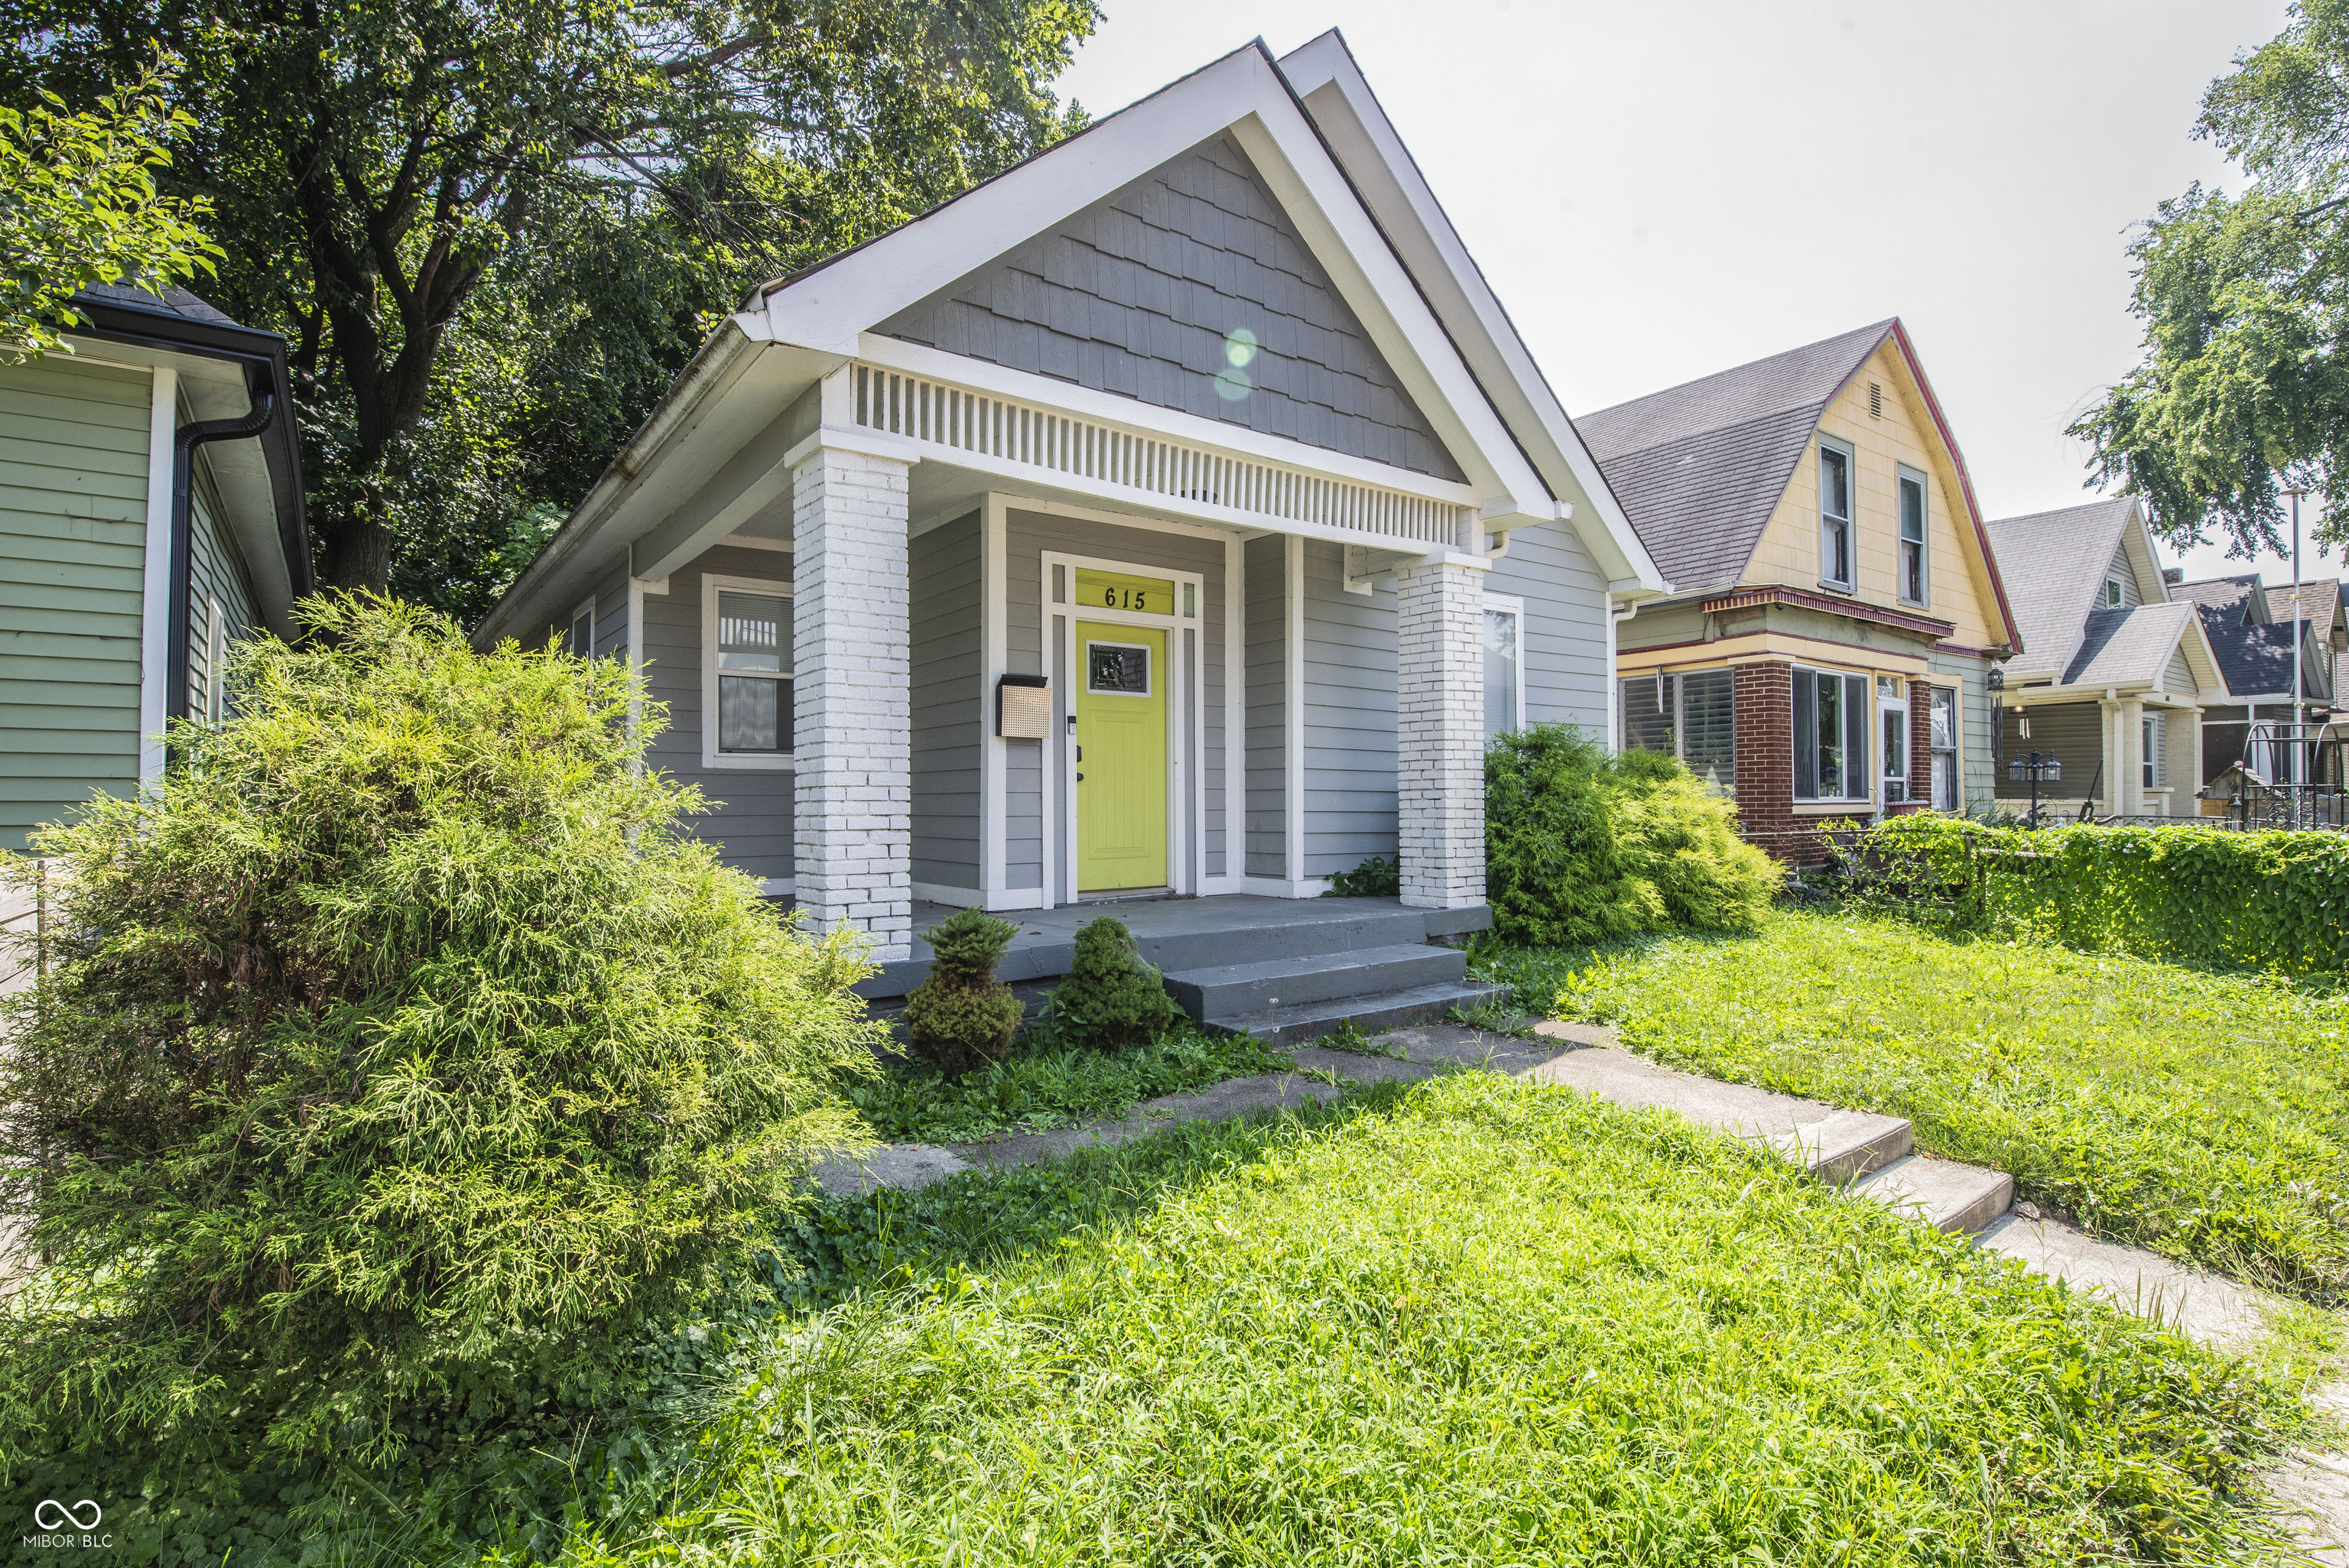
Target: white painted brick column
[(1440, 772), (852, 734)]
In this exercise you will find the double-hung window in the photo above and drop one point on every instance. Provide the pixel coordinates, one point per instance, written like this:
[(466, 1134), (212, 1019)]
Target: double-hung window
[(1912, 487), (2156, 736), (1504, 671), (1945, 748), (1836, 546), (1693, 717), (746, 672), (1830, 736)]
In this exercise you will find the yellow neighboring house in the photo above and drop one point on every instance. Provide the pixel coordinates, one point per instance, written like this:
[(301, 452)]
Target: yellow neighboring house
[(1835, 609)]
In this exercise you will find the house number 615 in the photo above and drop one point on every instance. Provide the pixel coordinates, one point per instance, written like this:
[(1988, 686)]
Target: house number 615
[(1125, 599)]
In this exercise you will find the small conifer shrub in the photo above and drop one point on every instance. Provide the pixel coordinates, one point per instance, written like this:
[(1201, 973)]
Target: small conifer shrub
[(961, 1018), (1111, 1000)]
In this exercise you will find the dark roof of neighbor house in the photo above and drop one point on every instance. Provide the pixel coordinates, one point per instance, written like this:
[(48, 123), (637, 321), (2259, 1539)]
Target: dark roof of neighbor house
[(2254, 652), (176, 301), (1700, 466), (2123, 646), (2052, 563)]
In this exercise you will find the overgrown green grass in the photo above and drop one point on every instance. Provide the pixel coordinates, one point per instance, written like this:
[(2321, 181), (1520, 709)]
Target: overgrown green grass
[(1474, 1321), (1043, 1084), (2203, 1115)]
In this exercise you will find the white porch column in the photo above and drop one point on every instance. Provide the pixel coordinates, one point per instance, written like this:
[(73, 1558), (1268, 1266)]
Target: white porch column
[(2132, 790), (1440, 749), (852, 849)]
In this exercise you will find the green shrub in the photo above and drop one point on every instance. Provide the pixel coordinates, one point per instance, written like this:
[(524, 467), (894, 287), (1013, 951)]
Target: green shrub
[(1377, 877), (960, 1017), (402, 1026), (1583, 847), (2268, 901), (1111, 1000)]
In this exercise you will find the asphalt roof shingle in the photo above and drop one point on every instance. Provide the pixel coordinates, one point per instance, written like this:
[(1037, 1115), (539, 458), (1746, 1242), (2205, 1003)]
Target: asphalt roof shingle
[(2052, 563), (2123, 646), (1700, 468), (177, 301), (2255, 659)]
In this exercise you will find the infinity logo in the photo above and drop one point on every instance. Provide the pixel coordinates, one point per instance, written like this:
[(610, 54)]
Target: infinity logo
[(51, 1514)]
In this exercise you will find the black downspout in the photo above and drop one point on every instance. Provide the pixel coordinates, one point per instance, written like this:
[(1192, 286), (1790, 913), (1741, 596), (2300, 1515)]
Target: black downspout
[(260, 386)]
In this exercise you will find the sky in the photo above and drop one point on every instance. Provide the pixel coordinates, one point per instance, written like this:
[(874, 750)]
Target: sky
[(1665, 188)]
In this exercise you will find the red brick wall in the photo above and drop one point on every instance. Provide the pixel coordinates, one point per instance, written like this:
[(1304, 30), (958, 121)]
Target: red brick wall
[(1765, 741), (1920, 741)]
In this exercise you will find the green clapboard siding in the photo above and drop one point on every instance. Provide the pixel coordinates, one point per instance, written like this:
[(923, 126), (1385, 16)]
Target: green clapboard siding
[(73, 512), (220, 606)]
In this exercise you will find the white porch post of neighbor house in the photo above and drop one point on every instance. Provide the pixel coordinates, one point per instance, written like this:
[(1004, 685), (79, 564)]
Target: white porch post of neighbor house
[(1439, 615), (852, 735)]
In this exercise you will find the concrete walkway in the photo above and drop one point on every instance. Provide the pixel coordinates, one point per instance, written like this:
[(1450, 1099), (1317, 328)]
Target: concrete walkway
[(1870, 1154)]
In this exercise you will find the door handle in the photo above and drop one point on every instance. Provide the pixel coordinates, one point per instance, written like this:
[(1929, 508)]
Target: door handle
[(1080, 778)]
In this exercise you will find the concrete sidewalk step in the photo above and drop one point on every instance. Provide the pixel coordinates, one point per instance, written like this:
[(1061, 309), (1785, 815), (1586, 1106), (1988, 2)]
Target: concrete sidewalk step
[(1846, 1145), (1943, 1193), (1373, 1013), (1283, 982)]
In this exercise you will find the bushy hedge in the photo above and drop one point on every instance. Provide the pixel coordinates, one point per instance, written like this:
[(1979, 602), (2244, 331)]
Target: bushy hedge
[(2268, 901), (403, 1025), (1585, 846)]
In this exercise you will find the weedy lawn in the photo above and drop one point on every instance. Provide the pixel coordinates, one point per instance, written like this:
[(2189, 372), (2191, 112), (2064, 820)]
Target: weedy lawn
[(2203, 1115), (1474, 1321), (1044, 1084)]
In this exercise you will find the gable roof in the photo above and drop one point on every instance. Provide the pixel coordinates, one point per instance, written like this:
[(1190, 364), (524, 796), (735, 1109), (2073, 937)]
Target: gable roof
[(712, 451), (2254, 654), (2053, 563), (2319, 602), (1700, 466), (2128, 646)]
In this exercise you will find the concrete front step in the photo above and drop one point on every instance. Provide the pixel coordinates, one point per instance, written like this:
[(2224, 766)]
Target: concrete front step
[(1943, 1193), (1290, 1024), (1846, 1145), (1263, 984)]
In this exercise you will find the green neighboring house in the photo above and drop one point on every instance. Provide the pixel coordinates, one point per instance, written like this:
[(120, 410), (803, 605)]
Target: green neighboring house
[(151, 515)]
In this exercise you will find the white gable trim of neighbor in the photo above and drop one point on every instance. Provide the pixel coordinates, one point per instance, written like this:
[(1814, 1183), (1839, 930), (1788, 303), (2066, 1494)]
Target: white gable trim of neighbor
[(717, 448)]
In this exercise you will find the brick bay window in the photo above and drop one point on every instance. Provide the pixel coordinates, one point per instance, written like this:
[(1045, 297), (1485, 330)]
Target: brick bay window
[(1831, 736), (747, 672), (1691, 717), (1835, 515)]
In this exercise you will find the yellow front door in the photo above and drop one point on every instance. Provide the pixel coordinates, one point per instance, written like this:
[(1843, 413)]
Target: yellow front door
[(1121, 757)]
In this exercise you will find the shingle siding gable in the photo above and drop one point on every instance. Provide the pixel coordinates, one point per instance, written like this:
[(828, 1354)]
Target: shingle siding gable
[(1136, 296)]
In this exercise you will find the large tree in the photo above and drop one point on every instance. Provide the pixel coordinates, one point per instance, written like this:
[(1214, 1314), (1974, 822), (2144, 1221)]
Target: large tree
[(2244, 392), (492, 229)]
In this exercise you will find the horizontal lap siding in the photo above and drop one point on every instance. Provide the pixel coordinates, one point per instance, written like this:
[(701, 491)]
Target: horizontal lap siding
[(749, 816), (946, 664), (2073, 732), (1350, 718), (1026, 535), (73, 514), (1266, 568), (216, 575), (1564, 637)]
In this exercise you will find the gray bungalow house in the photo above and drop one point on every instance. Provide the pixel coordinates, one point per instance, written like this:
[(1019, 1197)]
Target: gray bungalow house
[(2115, 672), (2250, 628), (151, 514), (1171, 516)]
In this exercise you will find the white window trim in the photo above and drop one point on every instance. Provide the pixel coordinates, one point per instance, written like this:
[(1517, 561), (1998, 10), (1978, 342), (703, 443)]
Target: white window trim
[(1850, 523), (2115, 594), (1868, 736), (757, 762), (1515, 605), (1904, 474), (2153, 733), (1883, 706), (585, 611)]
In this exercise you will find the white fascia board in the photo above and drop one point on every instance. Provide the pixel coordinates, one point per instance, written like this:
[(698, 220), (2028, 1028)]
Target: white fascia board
[(833, 308), (1149, 419), (1349, 118)]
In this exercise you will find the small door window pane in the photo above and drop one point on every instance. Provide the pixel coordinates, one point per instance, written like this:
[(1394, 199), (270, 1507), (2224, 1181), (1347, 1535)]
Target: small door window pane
[(1500, 671), (752, 633), (1117, 669)]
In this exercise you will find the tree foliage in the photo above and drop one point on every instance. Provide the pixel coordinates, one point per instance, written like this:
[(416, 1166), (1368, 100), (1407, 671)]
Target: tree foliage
[(402, 1022), (493, 233), (2242, 391), (79, 206)]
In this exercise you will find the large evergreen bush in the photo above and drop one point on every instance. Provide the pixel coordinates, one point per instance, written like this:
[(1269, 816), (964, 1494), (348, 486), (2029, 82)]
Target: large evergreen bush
[(402, 1024), (1582, 846)]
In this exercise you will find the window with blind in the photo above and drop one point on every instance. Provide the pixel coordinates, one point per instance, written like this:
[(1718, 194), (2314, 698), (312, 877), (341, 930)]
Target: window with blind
[(754, 678), (1945, 748), (1830, 736), (1691, 717)]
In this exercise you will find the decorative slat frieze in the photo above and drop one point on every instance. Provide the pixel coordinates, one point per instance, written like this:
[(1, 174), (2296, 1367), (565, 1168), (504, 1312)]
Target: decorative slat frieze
[(1005, 430)]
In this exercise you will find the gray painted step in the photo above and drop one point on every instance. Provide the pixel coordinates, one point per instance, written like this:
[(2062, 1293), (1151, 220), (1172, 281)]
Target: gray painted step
[(1943, 1193), (1278, 982), (1383, 1010)]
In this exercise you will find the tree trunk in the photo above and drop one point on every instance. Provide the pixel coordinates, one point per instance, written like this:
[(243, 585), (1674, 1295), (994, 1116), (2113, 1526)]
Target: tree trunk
[(359, 554)]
